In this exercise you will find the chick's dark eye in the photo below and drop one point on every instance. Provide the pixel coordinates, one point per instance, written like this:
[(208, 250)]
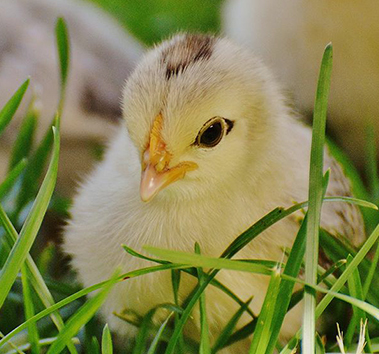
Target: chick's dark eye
[(211, 134)]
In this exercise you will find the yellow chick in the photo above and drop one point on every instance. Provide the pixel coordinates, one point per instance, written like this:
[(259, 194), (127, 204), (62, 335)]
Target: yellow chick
[(209, 146)]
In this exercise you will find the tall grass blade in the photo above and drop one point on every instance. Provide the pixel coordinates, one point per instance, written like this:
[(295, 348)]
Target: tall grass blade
[(31, 226), (226, 333), (146, 323), (320, 348), (33, 273), (327, 275), (205, 346), (79, 319), (262, 331), (106, 341), (11, 106), (43, 342), (34, 170), (356, 291), (62, 38), (175, 280), (192, 272), (154, 344), (315, 200), (196, 260), (11, 178), (336, 249), (84, 292), (292, 268), (359, 257), (24, 141), (29, 312), (93, 346), (370, 274)]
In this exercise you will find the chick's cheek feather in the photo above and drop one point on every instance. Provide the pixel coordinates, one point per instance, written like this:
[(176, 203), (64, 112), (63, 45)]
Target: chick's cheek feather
[(254, 158)]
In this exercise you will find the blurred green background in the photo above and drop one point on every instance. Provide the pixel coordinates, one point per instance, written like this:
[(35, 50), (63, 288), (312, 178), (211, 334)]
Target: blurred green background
[(153, 20)]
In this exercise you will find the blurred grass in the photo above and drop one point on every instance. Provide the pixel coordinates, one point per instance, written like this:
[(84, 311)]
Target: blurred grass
[(153, 20)]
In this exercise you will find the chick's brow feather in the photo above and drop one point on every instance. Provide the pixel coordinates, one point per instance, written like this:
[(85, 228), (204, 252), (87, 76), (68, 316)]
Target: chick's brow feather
[(186, 51)]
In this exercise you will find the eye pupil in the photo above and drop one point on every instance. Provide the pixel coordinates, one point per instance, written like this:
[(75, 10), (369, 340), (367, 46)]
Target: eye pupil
[(212, 135)]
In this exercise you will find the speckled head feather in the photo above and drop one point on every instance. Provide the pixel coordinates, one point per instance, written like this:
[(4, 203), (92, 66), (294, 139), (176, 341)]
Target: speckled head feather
[(188, 50)]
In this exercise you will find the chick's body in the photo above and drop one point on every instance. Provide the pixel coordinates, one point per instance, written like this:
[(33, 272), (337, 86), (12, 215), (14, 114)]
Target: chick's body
[(260, 163)]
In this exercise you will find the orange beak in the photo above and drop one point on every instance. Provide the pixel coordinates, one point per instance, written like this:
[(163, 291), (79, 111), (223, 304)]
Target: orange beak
[(155, 172)]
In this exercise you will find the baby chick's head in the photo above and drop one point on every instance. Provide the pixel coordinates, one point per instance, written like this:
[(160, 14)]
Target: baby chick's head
[(202, 112)]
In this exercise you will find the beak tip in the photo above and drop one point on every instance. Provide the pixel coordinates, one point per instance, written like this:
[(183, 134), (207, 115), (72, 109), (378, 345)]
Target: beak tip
[(145, 199), (146, 196)]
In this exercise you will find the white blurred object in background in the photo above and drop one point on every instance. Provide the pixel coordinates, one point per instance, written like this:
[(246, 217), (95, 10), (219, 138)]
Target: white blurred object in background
[(290, 37), (102, 56)]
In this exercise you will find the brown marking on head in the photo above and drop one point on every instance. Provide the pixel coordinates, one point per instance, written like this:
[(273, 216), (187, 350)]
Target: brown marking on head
[(188, 50)]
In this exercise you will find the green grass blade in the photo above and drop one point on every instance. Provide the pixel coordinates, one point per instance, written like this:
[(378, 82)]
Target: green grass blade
[(242, 333), (292, 268), (84, 292), (147, 323), (355, 290), (276, 215), (24, 140), (290, 348), (11, 106), (315, 200), (93, 347), (262, 331), (29, 312), (34, 275), (141, 339), (154, 344), (175, 280), (196, 260), (43, 342), (325, 275), (31, 226), (106, 341), (79, 319), (226, 333), (359, 257), (364, 306), (34, 170), (11, 178), (370, 274), (62, 38), (351, 200), (205, 346), (320, 348), (336, 249), (192, 272)]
